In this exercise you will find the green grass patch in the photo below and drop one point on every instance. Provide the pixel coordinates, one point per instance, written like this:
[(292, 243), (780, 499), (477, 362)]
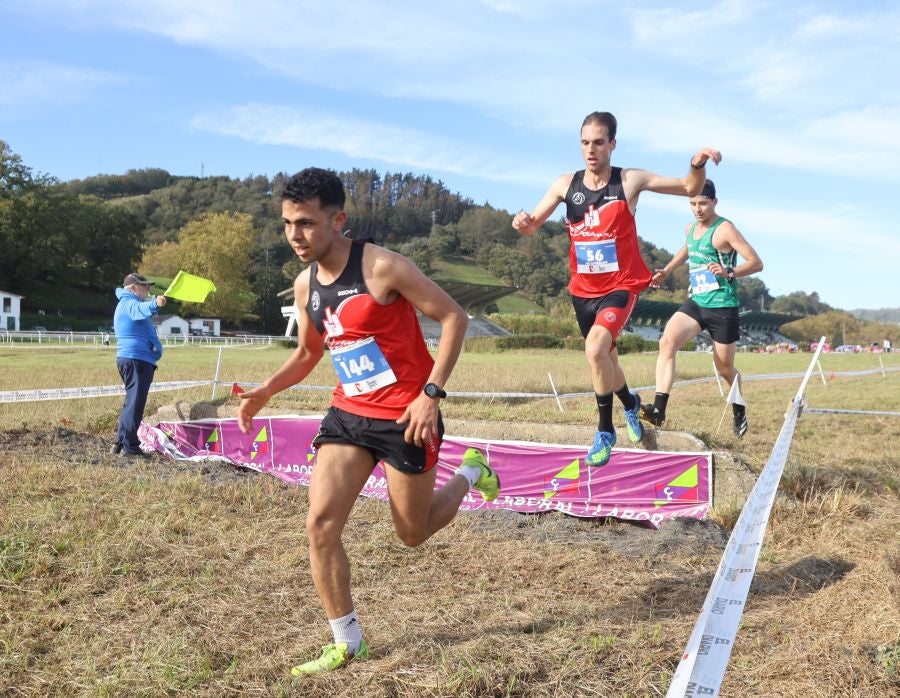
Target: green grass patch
[(465, 270)]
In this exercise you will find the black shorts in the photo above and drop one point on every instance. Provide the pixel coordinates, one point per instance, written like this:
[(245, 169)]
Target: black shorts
[(721, 323), (382, 437), (617, 305)]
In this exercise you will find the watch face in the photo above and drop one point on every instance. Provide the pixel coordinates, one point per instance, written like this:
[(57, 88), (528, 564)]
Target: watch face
[(431, 390)]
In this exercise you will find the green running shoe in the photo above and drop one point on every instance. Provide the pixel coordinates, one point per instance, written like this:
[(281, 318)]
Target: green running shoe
[(633, 420), (333, 657), (601, 449), (489, 482)]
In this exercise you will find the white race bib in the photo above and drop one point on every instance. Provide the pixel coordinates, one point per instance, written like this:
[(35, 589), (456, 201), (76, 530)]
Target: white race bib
[(596, 257), (703, 281), (361, 367)]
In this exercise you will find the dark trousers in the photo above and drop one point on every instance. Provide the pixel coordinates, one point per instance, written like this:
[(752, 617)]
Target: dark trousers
[(137, 376)]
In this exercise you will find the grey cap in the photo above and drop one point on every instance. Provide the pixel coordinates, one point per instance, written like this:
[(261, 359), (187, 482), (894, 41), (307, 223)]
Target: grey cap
[(135, 278)]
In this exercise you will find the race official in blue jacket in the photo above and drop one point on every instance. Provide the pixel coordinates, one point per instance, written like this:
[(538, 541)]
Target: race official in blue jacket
[(137, 350)]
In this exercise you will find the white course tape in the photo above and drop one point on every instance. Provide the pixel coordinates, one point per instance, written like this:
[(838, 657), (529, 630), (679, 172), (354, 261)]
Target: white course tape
[(703, 663), (702, 667), (831, 410), (93, 391)]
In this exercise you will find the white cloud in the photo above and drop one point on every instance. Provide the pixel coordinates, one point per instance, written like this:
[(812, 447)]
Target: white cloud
[(536, 9), (839, 229), (822, 231), (310, 129), (26, 84), (765, 83), (687, 30), (860, 144), (874, 128)]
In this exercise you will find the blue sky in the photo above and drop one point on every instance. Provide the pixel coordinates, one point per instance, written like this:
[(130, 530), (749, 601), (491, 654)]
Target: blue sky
[(488, 96)]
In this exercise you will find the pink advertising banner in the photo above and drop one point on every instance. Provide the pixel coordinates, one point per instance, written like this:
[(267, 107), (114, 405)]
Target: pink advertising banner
[(636, 485)]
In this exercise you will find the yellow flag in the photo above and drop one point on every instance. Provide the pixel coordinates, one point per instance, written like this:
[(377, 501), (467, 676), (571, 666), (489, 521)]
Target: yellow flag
[(190, 288)]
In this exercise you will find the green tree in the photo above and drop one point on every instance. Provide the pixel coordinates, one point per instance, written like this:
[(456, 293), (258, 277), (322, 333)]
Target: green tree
[(442, 242), (753, 294), (162, 259), (799, 303), (215, 246), (30, 249), (483, 226), (837, 327), (105, 243), (417, 251)]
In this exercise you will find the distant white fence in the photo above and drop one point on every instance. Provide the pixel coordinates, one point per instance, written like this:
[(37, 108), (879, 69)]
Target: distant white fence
[(95, 339)]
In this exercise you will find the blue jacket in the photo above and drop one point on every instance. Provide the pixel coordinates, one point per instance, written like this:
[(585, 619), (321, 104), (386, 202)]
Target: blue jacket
[(136, 336)]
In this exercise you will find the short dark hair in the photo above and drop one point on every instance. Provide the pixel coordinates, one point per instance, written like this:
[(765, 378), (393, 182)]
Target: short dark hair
[(709, 189), (315, 183), (605, 119)]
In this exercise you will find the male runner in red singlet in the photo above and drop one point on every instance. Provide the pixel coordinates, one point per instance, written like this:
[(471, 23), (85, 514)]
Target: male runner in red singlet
[(605, 260), (361, 300)]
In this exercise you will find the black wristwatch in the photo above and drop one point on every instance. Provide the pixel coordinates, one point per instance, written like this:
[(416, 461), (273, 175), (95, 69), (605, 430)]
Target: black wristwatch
[(729, 273), (431, 390)]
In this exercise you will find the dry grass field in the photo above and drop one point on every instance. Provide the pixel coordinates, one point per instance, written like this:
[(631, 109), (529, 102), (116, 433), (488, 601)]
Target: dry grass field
[(192, 579)]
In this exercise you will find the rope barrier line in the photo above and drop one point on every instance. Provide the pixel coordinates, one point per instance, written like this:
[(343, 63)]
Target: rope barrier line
[(702, 667), (7, 396), (33, 395)]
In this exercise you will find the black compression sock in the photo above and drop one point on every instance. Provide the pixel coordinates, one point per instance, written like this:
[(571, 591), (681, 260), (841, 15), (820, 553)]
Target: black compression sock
[(626, 397), (604, 407), (661, 401)]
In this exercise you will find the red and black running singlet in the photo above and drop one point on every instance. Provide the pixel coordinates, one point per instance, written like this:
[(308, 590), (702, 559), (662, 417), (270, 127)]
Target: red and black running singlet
[(378, 351), (604, 255)]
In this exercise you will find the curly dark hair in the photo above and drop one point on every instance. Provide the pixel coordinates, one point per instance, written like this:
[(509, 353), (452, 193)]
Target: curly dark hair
[(315, 183)]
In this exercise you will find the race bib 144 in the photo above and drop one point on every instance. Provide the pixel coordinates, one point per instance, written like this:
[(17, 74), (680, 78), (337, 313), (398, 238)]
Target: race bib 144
[(361, 367)]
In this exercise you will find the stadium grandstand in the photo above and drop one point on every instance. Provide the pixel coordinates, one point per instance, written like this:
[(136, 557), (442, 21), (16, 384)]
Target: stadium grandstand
[(647, 321), (473, 298), (757, 326)]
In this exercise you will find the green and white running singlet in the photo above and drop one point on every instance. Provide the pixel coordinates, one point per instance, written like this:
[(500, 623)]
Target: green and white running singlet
[(706, 289)]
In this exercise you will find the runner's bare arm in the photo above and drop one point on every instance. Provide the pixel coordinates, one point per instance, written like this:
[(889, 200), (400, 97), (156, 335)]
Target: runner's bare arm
[(728, 234), (310, 348), (402, 276), (659, 275), (635, 181), (528, 223)]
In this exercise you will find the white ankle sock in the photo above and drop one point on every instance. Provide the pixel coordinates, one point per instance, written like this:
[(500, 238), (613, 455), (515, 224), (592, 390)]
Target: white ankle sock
[(472, 473), (346, 629)]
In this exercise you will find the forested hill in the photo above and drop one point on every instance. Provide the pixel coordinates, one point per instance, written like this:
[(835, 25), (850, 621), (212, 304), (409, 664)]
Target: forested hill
[(886, 315), (392, 208), (84, 233)]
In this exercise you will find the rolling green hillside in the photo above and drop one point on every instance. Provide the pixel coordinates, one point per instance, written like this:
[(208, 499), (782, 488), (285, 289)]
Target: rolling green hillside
[(465, 270)]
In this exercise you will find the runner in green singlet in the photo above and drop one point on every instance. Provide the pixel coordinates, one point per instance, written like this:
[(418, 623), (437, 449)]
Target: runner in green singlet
[(711, 249)]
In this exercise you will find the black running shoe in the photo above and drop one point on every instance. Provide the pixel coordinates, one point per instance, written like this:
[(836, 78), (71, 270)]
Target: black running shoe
[(740, 425), (649, 413)]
